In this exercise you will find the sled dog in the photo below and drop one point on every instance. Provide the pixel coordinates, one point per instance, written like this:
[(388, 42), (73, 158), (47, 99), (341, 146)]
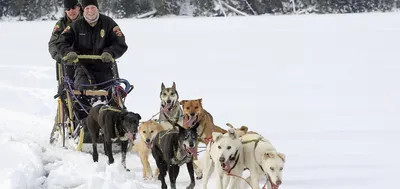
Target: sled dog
[(116, 125), (170, 110), (225, 155), (147, 131), (173, 148), (262, 159)]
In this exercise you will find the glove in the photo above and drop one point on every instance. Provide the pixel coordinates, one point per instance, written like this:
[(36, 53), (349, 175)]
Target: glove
[(107, 57), (71, 56)]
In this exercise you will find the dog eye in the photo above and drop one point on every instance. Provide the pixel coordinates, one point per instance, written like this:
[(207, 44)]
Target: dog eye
[(229, 147), (172, 94), (272, 169), (281, 169), (144, 132), (196, 107), (164, 94), (151, 131), (187, 108), (219, 147)]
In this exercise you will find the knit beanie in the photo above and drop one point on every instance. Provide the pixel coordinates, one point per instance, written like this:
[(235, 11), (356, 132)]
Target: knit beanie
[(89, 2), (70, 4)]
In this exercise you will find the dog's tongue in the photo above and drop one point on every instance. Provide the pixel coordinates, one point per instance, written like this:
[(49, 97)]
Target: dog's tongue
[(189, 122), (227, 166), (167, 107), (149, 145), (193, 151), (131, 136)]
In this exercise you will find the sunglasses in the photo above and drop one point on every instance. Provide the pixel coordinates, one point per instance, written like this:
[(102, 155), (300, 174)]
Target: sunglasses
[(68, 9)]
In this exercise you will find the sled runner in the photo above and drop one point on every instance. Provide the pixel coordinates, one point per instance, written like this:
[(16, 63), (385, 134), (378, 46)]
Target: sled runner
[(69, 131)]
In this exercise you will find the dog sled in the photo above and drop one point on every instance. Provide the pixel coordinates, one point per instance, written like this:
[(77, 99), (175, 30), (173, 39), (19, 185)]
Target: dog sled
[(68, 131)]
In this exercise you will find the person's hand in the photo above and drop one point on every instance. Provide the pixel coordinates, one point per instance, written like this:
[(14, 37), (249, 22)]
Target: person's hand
[(71, 57), (107, 57)]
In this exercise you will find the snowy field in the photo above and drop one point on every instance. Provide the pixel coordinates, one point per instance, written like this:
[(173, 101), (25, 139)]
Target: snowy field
[(323, 89)]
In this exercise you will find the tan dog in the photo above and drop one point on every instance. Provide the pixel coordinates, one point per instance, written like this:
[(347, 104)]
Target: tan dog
[(242, 130), (147, 131)]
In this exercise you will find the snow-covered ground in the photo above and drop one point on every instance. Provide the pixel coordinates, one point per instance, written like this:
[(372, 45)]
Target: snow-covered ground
[(323, 89)]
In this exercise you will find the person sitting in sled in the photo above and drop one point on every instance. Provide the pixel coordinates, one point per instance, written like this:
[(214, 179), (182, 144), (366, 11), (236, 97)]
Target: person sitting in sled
[(92, 34)]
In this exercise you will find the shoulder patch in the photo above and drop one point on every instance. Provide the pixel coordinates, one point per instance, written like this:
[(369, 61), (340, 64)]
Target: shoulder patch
[(117, 31), (56, 28), (66, 29)]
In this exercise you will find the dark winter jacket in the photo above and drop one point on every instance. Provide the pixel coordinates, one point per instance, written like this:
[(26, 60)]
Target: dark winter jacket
[(58, 28), (84, 39)]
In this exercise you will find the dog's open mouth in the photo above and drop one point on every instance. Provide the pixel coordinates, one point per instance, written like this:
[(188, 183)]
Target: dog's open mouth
[(149, 145), (226, 166), (131, 136), (167, 106), (191, 120), (273, 185), (191, 151)]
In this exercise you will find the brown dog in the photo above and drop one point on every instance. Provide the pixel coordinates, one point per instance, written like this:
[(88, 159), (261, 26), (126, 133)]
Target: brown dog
[(194, 112)]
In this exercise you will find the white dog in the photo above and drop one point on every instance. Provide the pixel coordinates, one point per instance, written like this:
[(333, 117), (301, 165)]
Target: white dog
[(225, 155), (262, 159)]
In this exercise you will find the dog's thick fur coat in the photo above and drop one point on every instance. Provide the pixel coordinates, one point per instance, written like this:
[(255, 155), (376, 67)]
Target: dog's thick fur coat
[(147, 132), (225, 155), (170, 109), (115, 125), (173, 148), (262, 159)]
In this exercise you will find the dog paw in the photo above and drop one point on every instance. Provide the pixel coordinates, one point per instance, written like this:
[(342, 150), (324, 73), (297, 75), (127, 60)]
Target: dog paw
[(199, 177), (191, 186), (127, 170)]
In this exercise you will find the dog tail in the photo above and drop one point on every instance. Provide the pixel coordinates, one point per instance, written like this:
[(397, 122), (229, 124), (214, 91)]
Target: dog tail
[(219, 129), (229, 125)]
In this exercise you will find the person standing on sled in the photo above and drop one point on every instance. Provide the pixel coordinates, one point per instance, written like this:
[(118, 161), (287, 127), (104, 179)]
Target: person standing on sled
[(92, 34), (73, 11)]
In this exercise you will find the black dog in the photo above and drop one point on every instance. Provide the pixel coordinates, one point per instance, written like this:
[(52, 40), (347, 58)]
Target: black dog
[(115, 125), (171, 149)]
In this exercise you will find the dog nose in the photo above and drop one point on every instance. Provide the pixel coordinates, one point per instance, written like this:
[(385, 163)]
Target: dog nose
[(222, 159), (168, 101), (191, 145), (191, 114), (148, 140), (278, 182)]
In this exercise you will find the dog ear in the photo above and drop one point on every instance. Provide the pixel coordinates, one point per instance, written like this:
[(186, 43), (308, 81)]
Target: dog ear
[(182, 102), (244, 128), (162, 86), (269, 155), (229, 125), (173, 85), (282, 156), (216, 136), (232, 133), (200, 100), (181, 129), (139, 117), (195, 127)]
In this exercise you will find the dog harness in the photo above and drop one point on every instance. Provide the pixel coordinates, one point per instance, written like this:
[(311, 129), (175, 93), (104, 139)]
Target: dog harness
[(274, 186), (123, 138), (180, 156)]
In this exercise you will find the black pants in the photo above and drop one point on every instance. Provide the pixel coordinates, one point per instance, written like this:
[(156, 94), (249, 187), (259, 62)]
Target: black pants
[(89, 74)]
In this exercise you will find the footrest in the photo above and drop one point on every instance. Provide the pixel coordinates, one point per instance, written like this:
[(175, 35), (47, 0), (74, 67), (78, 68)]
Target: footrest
[(91, 92)]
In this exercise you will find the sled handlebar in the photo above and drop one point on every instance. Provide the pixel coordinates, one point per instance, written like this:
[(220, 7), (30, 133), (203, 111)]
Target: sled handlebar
[(92, 57)]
